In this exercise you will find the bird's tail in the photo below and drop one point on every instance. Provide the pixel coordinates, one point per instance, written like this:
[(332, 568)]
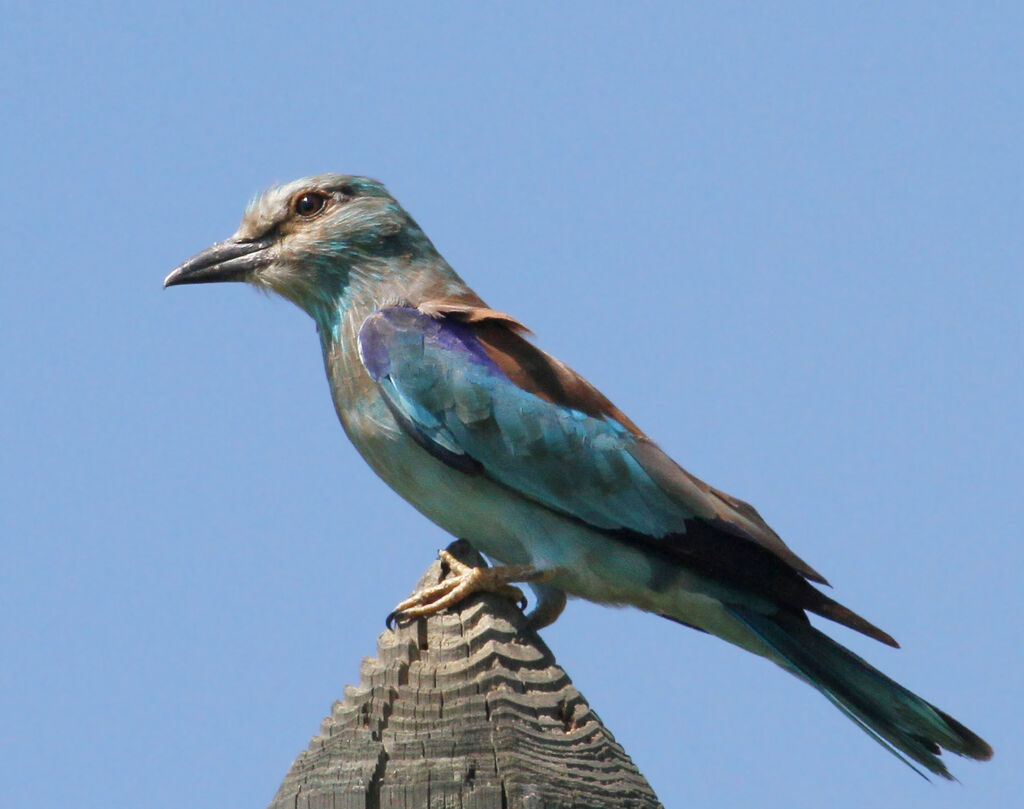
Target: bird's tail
[(902, 722)]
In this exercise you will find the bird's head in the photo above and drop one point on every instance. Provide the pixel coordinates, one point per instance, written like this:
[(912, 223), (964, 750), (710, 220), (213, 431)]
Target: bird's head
[(311, 240)]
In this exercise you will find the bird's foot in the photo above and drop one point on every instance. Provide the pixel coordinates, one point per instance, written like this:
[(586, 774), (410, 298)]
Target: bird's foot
[(463, 581)]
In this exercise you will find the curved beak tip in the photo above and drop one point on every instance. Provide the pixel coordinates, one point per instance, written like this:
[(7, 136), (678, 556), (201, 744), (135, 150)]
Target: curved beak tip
[(226, 261)]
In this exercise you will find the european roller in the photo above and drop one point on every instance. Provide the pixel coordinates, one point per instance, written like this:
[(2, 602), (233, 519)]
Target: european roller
[(507, 447)]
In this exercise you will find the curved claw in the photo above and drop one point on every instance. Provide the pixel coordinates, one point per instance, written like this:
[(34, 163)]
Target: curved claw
[(550, 603)]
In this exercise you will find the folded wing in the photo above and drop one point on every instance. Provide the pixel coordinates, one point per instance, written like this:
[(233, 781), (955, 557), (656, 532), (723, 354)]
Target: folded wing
[(475, 393)]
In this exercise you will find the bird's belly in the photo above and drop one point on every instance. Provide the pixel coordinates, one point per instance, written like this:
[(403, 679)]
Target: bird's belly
[(470, 507)]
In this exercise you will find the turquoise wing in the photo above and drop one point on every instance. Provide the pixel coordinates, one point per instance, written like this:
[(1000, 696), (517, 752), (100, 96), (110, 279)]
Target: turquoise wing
[(444, 389)]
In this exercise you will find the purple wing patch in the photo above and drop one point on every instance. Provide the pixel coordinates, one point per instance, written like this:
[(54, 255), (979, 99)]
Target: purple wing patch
[(403, 328)]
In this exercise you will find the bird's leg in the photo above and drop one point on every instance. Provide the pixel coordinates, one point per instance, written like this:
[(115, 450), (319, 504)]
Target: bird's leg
[(463, 581)]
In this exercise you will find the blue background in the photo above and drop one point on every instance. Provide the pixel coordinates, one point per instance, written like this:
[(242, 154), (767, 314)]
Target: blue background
[(786, 240)]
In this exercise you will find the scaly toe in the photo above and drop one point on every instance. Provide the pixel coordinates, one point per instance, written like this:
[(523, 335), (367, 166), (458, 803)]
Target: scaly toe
[(461, 582)]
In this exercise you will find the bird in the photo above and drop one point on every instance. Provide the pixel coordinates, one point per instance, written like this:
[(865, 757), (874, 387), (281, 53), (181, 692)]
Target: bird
[(453, 405)]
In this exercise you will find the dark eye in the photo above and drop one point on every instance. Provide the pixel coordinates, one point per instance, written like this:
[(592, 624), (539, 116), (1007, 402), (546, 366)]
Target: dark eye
[(310, 203)]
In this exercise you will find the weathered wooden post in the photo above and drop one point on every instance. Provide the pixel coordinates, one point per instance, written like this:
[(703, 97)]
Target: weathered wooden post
[(463, 709)]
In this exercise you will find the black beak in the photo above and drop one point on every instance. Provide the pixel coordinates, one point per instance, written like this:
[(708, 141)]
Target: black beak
[(226, 261)]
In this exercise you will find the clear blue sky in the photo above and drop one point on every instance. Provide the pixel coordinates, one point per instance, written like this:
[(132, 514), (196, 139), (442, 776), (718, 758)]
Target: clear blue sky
[(787, 242)]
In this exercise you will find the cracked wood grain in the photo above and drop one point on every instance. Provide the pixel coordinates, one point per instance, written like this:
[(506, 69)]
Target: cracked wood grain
[(463, 710)]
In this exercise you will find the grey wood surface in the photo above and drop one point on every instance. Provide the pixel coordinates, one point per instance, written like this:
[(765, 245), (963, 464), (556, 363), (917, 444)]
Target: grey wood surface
[(464, 709)]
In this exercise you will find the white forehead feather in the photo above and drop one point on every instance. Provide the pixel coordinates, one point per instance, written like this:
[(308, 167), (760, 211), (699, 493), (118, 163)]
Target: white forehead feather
[(267, 209)]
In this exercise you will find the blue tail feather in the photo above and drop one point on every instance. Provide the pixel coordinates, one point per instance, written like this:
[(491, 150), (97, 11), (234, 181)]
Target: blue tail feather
[(907, 726)]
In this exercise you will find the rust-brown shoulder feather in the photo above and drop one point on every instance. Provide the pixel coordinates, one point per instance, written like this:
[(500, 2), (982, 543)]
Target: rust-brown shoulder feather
[(527, 366)]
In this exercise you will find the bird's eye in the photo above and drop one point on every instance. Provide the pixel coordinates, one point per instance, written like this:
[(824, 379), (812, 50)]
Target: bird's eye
[(310, 203)]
